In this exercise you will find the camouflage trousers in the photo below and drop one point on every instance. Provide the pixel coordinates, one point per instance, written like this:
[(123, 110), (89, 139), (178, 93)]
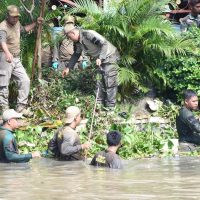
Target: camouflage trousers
[(188, 147), (13, 71), (107, 84)]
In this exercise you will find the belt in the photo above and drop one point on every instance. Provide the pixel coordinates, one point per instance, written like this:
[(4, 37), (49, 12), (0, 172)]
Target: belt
[(15, 54)]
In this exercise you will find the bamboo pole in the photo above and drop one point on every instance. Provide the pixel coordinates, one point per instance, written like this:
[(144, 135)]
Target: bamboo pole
[(38, 40)]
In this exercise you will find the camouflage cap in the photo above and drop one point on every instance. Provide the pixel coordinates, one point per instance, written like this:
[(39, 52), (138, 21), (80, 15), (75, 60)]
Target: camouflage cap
[(13, 10), (69, 19), (68, 28)]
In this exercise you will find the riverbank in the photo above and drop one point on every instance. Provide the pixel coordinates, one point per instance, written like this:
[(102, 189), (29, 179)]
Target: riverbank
[(142, 137)]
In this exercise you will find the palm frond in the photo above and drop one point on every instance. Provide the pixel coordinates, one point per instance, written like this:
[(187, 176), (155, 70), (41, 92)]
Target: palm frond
[(128, 76)]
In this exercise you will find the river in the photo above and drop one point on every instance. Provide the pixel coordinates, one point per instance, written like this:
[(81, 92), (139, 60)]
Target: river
[(166, 178)]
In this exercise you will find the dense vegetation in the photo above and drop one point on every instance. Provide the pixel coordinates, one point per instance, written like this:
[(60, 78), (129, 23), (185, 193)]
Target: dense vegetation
[(152, 54)]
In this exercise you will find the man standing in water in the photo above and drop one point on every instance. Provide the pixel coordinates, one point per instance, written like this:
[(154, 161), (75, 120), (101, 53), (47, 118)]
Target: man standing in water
[(188, 126), (109, 158), (106, 57), (8, 145), (10, 64), (66, 143)]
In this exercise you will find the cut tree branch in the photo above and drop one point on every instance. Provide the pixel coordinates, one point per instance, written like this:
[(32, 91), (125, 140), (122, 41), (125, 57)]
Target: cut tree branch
[(27, 10)]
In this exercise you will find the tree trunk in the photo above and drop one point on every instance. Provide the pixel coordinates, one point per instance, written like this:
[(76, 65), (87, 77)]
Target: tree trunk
[(38, 42)]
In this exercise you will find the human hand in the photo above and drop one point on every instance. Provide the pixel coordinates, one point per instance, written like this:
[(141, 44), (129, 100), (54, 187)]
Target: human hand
[(98, 62), (9, 57), (36, 154), (65, 72), (86, 145), (55, 65), (40, 20)]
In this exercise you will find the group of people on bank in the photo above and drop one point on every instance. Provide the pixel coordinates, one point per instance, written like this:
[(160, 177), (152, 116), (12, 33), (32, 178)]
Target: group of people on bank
[(66, 143)]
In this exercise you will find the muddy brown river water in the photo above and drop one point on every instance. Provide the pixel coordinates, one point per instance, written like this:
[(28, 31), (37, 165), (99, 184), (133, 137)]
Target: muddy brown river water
[(166, 178)]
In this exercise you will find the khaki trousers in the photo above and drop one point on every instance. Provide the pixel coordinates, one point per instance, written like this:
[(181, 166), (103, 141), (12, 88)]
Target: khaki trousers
[(13, 71)]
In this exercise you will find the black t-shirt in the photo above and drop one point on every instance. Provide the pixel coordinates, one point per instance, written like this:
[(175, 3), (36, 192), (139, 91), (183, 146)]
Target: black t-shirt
[(107, 159)]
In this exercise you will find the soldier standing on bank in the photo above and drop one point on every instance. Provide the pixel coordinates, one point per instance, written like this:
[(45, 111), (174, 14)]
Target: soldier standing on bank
[(10, 64), (106, 57)]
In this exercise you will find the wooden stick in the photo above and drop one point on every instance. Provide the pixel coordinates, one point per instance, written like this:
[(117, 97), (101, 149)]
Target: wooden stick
[(91, 126), (38, 40)]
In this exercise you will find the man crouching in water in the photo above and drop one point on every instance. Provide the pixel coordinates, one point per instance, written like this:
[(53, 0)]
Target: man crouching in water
[(66, 143), (109, 158), (188, 127)]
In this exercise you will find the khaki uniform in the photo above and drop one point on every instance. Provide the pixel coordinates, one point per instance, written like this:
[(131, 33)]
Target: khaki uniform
[(13, 70), (96, 46), (46, 55), (61, 52)]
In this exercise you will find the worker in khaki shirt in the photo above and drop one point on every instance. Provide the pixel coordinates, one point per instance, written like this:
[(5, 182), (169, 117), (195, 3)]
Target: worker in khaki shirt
[(63, 49), (10, 64), (106, 57)]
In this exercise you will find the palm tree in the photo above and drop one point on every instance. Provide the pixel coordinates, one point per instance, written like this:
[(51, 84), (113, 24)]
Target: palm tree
[(139, 31)]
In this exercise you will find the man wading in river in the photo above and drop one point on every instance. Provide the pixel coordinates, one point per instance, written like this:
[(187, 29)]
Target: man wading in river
[(66, 143), (188, 126), (109, 158), (8, 145)]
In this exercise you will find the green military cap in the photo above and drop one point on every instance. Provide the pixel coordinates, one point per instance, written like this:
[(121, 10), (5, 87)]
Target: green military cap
[(13, 10), (68, 19), (68, 28)]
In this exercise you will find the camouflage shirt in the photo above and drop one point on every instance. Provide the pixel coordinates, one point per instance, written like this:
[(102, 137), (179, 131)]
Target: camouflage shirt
[(95, 45), (188, 126), (107, 159), (66, 144), (189, 21)]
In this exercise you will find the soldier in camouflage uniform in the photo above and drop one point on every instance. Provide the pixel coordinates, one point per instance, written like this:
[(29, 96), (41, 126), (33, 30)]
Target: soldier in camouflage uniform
[(188, 126), (66, 145), (64, 49), (193, 19), (106, 57), (10, 64)]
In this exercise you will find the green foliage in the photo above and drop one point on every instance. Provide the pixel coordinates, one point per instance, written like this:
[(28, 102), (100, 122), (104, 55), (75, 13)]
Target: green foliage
[(49, 101), (183, 72), (33, 139), (53, 96), (140, 33), (144, 143)]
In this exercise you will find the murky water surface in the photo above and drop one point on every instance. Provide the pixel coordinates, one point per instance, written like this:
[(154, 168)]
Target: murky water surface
[(168, 178)]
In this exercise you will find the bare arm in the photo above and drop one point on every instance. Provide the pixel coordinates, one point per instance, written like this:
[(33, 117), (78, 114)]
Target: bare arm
[(9, 56), (30, 27)]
